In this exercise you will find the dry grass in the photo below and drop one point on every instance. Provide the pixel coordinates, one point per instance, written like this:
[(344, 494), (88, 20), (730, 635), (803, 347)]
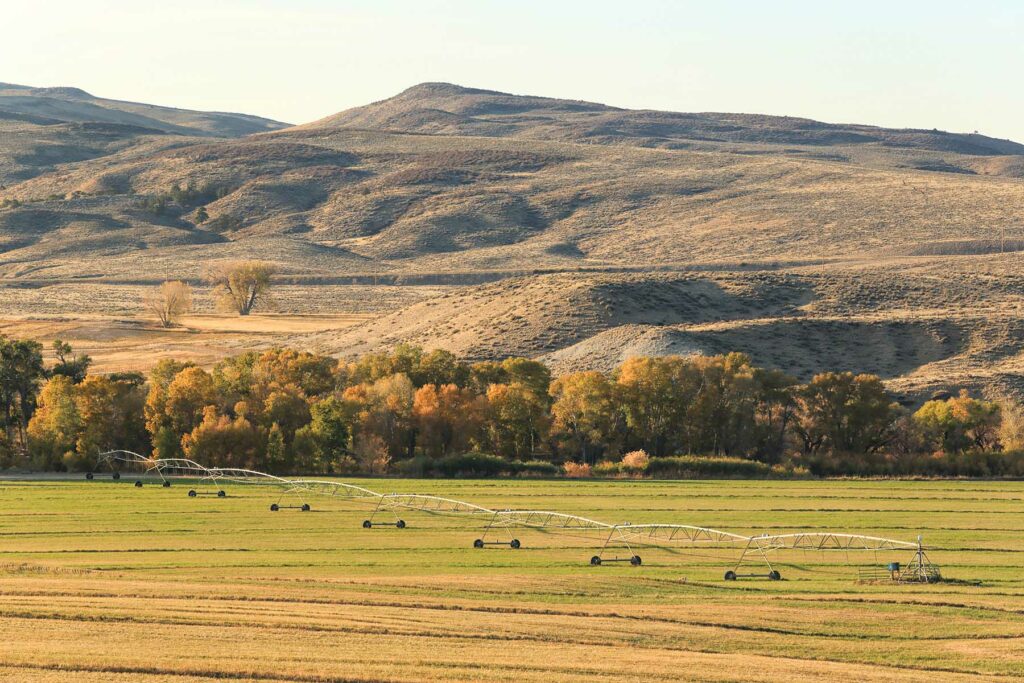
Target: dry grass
[(823, 247), (119, 344)]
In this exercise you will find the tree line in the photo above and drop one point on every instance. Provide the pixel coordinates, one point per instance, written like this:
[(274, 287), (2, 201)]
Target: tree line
[(412, 411)]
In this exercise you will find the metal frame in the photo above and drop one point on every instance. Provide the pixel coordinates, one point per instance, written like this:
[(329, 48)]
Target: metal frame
[(664, 536)]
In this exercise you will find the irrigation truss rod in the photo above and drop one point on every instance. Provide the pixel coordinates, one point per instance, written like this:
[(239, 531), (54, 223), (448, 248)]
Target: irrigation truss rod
[(654, 534)]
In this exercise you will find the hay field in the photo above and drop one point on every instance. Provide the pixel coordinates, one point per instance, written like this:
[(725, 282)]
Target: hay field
[(102, 581)]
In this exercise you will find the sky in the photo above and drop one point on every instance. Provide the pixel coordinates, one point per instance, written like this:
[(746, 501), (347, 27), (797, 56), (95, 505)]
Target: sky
[(956, 66)]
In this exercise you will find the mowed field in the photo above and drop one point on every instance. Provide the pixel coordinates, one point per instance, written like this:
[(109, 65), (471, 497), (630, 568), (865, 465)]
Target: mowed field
[(102, 581)]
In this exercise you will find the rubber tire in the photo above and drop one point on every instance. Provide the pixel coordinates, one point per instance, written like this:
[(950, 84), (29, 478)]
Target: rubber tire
[(116, 475), (367, 524), (730, 575), (222, 494), (305, 507), (596, 560), (774, 575), (274, 507), (400, 524), (89, 475), (478, 543), (138, 483), (192, 493), (635, 561), (515, 545), (167, 484)]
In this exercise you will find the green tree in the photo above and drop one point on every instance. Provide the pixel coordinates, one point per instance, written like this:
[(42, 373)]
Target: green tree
[(517, 419), (721, 418), (959, 424), (532, 374), (112, 417), (584, 410), (776, 405), (844, 413), (656, 394), (485, 373), (55, 426), (323, 444), (440, 368), (277, 460), (288, 408), (404, 359), (68, 364), (21, 371)]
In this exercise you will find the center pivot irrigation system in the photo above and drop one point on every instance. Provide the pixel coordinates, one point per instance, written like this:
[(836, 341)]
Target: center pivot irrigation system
[(498, 526)]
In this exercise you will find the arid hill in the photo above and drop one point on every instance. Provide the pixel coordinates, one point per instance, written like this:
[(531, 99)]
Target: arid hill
[(43, 128), (446, 109), (570, 230)]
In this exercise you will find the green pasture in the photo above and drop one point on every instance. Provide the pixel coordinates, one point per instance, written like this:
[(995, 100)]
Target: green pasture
[(59, 534)]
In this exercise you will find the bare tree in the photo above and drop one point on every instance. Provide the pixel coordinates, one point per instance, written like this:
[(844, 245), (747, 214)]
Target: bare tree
[(169, 302), (241, 285)]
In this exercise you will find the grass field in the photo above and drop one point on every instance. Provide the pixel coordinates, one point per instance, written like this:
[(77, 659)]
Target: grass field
[(101, 581)]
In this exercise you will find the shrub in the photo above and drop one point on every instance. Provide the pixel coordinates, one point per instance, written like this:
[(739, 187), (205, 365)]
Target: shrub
[(420, 466), (472, 465), (607, 468), (536, 468), (695, 467), (224, 223), (637, 461), (576, 470)]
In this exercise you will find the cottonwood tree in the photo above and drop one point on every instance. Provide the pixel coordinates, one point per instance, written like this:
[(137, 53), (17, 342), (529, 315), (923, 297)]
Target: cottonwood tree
[(584, 409), (960, 424), (221, 441), (56, 424), (447, 418), (241, 286), (74, 367), (517, 419), (656, 394), (845, 413), (169, 302), (21, 371)]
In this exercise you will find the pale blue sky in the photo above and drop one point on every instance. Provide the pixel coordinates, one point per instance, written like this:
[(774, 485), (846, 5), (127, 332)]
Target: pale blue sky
[(952, 65)]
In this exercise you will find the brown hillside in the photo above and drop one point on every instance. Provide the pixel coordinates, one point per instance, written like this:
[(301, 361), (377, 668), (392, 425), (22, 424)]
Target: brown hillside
[(573, 231)]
